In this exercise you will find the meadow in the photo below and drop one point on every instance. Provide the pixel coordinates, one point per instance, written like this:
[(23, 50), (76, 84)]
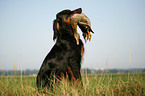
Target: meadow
[(93, 85)]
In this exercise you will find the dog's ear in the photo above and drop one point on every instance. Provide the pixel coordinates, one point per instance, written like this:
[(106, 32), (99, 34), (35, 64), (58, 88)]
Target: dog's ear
[(56, 29)]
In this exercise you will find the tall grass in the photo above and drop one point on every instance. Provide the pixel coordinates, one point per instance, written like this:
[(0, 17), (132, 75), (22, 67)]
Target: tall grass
[(93, 84)]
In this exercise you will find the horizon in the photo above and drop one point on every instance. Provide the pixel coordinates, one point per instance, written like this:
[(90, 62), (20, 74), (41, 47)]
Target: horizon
[(118, 41), (83, 71), (19, 69)]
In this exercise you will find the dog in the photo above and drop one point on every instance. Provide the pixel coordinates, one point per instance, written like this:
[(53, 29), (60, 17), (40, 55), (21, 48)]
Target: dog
[(64, 59)]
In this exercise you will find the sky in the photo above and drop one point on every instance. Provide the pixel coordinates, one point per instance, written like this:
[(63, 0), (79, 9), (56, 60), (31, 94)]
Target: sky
[(26, 32)]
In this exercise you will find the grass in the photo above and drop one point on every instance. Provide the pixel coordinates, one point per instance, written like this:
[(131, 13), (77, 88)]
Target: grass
[(93, 84)]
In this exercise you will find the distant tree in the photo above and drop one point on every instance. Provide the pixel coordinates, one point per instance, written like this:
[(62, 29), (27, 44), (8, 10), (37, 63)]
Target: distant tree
[(86, 70), (114, 71), (143, 70)]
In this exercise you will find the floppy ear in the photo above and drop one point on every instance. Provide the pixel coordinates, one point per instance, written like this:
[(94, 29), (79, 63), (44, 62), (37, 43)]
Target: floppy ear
[(55, 29)]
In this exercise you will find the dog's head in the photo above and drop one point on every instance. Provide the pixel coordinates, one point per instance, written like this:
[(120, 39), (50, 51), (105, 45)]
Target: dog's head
[(63, 19), (71, 19)]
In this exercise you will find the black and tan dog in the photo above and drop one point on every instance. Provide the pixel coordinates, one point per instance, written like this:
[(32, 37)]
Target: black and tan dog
[(64, 59)]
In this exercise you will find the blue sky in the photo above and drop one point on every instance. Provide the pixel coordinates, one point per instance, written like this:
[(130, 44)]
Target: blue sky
[(26, 32)]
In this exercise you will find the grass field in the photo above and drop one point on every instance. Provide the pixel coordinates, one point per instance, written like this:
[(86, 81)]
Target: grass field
[(93, 85)]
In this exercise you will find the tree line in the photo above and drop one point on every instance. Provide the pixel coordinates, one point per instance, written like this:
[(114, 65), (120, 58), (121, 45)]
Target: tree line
[(83, 71)]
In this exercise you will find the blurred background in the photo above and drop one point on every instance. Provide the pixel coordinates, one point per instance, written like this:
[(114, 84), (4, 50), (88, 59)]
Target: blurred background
[(26, 32)]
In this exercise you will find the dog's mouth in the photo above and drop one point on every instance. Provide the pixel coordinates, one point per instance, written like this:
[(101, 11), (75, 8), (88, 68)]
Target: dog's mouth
[(86, 29), (84, 24)]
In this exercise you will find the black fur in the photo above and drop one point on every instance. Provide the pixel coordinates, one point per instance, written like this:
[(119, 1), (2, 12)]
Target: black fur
[(64, 59)]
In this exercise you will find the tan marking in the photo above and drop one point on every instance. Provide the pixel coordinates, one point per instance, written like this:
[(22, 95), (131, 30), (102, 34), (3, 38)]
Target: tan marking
[(67, 21), (82, 50), (77, 37), (62, 76), (57, 26), (71, 74)]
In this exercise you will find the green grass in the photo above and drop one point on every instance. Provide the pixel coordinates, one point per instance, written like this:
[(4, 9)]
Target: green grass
[(93, 84)]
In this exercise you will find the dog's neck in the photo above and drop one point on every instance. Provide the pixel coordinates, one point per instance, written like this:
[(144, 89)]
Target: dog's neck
[(66, 33)]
